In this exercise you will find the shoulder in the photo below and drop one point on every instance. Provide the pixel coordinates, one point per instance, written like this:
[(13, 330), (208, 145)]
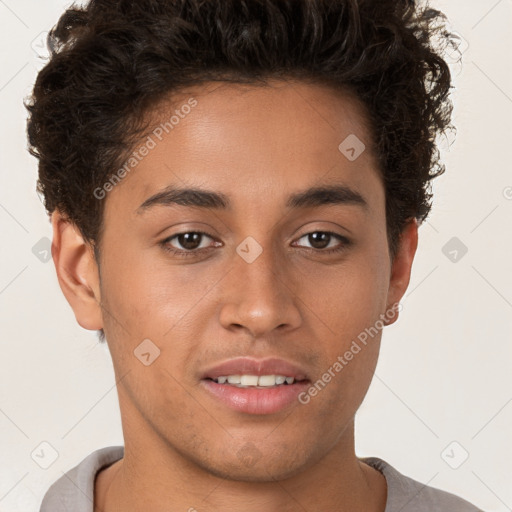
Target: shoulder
[(74, 490), (407, 495)]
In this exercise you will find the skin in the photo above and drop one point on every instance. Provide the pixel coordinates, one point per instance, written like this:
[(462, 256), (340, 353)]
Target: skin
[(257, 145)]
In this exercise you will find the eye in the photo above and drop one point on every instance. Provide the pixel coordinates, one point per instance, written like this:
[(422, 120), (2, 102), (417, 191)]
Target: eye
[(189, 241), (321, 239)]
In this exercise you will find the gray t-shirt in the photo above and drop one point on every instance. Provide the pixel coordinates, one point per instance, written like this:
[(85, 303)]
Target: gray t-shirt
[(74, 491)]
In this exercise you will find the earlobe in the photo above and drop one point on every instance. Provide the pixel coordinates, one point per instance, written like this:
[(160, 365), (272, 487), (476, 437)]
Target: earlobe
[(401, 269), (77, 272)]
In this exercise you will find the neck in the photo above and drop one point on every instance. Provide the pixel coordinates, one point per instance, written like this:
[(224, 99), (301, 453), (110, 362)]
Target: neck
[(165, 479)]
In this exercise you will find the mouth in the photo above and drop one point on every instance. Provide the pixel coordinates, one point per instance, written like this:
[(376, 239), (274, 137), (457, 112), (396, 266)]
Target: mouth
[(250, 386), (255, 399)]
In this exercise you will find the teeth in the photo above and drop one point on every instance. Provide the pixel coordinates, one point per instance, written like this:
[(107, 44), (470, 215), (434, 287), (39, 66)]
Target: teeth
[(267, 380), (255, 380), (249, 380)]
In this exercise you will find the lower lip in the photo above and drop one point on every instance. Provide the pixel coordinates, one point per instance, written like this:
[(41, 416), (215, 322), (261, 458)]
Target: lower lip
[(256, 400)]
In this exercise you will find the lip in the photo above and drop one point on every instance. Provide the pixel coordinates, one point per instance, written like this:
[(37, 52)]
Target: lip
[(250, 366), (253, 400), (256, 400)]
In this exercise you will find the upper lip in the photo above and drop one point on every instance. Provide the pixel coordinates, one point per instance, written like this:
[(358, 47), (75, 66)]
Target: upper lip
[(248, 366)]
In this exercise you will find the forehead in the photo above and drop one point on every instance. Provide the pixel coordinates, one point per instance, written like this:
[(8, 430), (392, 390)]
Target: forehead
[(253, 142)]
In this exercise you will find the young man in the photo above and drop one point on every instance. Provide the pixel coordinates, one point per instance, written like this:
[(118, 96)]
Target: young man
[(235, 190)]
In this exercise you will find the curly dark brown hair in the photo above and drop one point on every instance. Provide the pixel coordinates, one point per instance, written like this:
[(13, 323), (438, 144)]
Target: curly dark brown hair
[(113, 60)]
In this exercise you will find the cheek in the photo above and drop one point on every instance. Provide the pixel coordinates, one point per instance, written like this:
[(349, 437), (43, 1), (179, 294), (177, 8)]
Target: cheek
[(148, 300), (352, 297), (350, 314), (141, 294)]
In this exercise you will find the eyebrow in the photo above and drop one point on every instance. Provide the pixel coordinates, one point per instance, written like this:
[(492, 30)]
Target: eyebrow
[(200, 198)]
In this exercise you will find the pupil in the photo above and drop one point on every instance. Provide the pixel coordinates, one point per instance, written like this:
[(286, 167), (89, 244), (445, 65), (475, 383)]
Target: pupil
[(324, 239), (185, 240)]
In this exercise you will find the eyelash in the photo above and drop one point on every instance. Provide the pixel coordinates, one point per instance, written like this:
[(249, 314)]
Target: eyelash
[(194, 252)]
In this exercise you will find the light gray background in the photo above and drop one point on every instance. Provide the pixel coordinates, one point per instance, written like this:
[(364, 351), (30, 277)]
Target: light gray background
[(444, 372)]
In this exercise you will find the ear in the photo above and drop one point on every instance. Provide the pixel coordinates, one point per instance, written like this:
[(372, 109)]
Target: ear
[(401, 268), (77, 272)]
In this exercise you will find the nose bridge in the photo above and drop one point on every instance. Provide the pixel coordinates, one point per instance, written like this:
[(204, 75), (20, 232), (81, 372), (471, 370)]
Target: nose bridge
[(261, 267)]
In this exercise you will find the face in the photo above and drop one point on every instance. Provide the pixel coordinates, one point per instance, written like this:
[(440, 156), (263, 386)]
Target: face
[(187, 285)]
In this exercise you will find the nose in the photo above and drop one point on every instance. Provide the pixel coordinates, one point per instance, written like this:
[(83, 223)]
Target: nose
[(261, 296)]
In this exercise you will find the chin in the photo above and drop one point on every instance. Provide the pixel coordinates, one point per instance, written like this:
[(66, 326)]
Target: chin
[(248, 464), (261, 473)]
